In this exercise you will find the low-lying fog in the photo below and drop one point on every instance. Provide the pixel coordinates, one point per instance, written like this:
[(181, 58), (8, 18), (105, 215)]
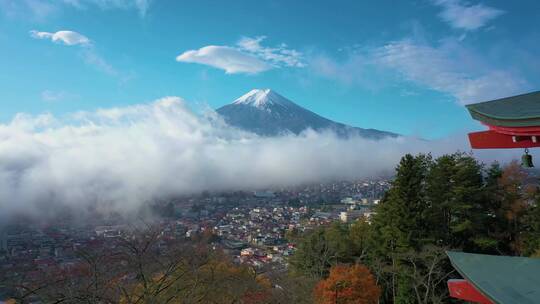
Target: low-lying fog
[(119, 158)]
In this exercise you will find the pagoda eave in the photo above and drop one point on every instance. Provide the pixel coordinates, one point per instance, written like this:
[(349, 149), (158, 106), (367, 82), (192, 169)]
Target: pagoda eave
[(463, 290), (495, 140)]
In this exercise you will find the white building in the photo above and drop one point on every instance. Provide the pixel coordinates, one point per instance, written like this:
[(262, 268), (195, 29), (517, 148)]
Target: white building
[(350, 215), (247, 252)]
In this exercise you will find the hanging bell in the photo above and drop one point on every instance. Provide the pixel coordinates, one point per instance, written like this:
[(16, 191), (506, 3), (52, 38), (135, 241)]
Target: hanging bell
[(526, 160)]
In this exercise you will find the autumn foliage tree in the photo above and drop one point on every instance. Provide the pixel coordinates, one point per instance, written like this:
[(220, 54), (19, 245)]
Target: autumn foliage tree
[(347, 285)]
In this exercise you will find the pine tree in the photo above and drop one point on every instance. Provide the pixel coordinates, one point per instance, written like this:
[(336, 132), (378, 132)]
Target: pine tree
[(399, 224), (399, 221), (454, 195), (490, 240)]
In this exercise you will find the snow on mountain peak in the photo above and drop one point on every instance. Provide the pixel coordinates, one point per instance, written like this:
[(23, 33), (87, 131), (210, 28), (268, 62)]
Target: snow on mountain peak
[(266, 113), (262, 98)]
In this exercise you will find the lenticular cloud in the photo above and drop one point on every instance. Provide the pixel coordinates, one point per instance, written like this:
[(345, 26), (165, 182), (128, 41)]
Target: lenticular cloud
[(119, 159)]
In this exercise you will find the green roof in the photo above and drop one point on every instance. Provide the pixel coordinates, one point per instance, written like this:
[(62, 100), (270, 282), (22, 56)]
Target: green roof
[(503, 279), (516, 111)]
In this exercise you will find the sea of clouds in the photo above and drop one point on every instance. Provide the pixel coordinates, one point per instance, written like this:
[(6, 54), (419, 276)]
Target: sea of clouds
[(119, 159)]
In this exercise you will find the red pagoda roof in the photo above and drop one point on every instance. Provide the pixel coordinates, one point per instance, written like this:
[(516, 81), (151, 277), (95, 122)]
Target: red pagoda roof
[(515, 111), (499, 279), (513, 122)]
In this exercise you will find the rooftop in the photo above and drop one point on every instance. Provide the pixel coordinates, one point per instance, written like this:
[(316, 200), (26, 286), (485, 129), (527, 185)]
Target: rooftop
[(503, 279), (515, 111)]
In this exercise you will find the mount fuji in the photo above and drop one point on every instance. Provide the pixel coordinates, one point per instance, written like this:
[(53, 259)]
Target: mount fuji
[(267, 113)]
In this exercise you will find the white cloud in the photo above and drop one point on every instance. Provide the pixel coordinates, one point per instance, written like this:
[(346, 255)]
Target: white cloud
[(449, 68), (92, 58), (141, 6), (249, 57), (65, 37), (49, 95), (53, 96), (88, 53), (41, 9), (118, 159), (226, 58), (356, 69), (37, 9), (75, 3), (461, 15), (280, 55)]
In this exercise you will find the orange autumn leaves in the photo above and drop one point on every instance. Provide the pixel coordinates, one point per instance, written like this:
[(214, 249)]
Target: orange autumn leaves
[(348, 284)]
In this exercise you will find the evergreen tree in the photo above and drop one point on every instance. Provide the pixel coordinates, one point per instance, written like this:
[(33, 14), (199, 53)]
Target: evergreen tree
[(490, 240), (455, 207), (399, 225), (399, 222)]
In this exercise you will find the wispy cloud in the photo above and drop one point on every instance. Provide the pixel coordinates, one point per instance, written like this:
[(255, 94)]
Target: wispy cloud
[(357, 68), (88, 51), (65, 37), (141, 6), (248, 56), (448, 67), (280, 55), (462, 15), (92, 58), (54, 96), (37, 9), (41, 9)]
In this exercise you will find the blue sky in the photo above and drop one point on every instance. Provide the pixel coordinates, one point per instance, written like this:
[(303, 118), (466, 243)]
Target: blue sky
[(402, 66)]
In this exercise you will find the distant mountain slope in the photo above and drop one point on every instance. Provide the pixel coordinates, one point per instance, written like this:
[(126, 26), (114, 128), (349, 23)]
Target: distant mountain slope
[(267, 113)]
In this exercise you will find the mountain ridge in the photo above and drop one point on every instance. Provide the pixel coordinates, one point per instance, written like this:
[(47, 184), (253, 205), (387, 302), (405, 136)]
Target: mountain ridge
[(267, 113)]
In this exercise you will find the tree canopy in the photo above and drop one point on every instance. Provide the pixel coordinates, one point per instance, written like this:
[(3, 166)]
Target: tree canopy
[(452, 202), (348, 284)]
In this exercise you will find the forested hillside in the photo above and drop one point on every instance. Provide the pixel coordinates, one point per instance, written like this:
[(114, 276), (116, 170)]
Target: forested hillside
[(449, 203)]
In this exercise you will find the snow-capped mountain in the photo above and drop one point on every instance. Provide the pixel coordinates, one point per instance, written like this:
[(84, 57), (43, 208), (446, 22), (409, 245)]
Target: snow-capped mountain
[(267, 113), (263, 99)]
